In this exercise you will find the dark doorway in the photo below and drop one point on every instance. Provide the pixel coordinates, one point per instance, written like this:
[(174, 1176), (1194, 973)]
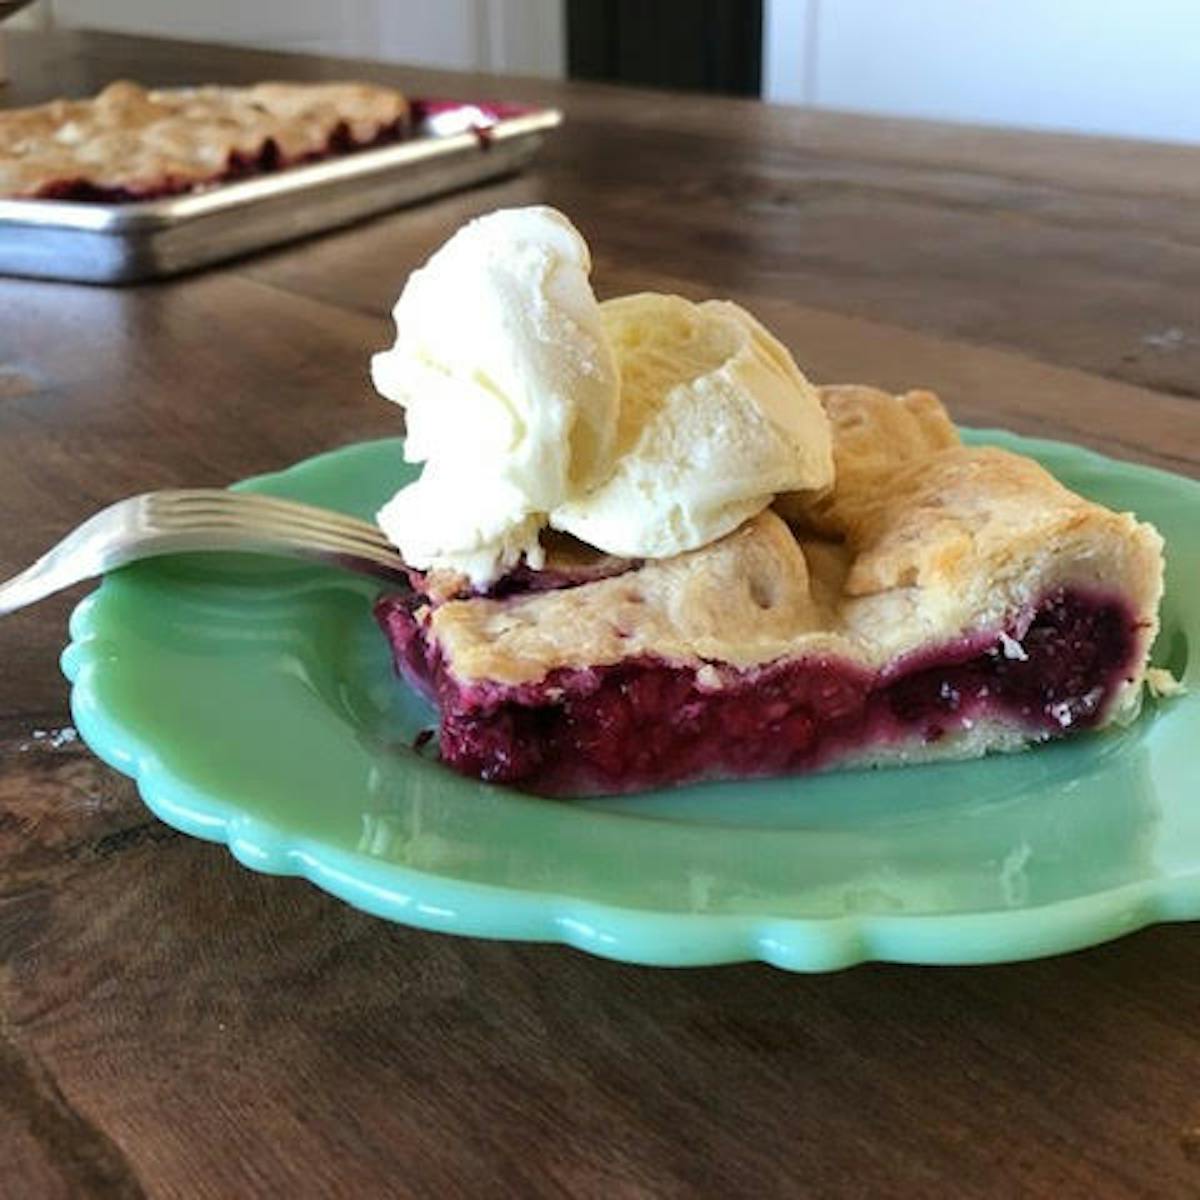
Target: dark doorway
[(697, 45)]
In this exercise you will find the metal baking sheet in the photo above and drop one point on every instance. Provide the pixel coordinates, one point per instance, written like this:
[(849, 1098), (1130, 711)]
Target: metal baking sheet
[(456, 145)]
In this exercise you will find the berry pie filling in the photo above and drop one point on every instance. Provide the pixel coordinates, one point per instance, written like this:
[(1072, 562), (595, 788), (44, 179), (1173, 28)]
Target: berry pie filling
[(644, 723)]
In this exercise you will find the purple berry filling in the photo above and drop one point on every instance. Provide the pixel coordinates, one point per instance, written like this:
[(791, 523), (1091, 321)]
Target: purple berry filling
[(645, 723)]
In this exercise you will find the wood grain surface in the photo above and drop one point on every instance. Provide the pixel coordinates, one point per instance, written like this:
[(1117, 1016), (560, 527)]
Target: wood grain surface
[(173, 1025)]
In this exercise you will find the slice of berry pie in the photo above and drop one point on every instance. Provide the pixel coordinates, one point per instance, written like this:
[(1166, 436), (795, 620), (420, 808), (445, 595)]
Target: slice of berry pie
[(939, 601), (128, 143)]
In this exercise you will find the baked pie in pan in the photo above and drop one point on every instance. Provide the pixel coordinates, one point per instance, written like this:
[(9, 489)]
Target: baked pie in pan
[(130, 143)]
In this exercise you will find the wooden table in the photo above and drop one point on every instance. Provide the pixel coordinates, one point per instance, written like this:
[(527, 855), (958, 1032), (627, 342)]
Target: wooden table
[(173, 1025)]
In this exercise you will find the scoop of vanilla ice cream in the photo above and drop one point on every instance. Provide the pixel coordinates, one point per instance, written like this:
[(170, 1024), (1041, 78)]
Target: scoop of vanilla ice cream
[(715, 420), (509, 388)]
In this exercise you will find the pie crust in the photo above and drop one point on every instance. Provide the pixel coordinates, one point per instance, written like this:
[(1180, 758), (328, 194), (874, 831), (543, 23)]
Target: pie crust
[(130, 143)]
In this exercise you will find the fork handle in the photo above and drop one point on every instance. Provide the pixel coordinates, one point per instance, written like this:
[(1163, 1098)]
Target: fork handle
[(147, 526), (92, 550), (85, 555)]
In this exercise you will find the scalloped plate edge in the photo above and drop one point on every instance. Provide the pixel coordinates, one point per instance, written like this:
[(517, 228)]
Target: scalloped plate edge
[(647, 937)]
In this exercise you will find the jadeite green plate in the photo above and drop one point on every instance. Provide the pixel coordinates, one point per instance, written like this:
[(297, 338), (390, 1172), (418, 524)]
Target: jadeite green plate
[(253, 701)]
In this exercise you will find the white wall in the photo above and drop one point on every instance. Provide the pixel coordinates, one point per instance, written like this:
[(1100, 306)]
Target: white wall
[(1129, 67), (523, 37)]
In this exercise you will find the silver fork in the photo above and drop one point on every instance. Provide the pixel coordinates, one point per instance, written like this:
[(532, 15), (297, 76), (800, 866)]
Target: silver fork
[(202, 519)]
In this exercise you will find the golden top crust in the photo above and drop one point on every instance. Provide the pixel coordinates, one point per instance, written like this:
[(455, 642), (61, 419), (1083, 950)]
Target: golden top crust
[(137, 140), (935, 541), (754, 579), (873, 433), (953, 510)]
